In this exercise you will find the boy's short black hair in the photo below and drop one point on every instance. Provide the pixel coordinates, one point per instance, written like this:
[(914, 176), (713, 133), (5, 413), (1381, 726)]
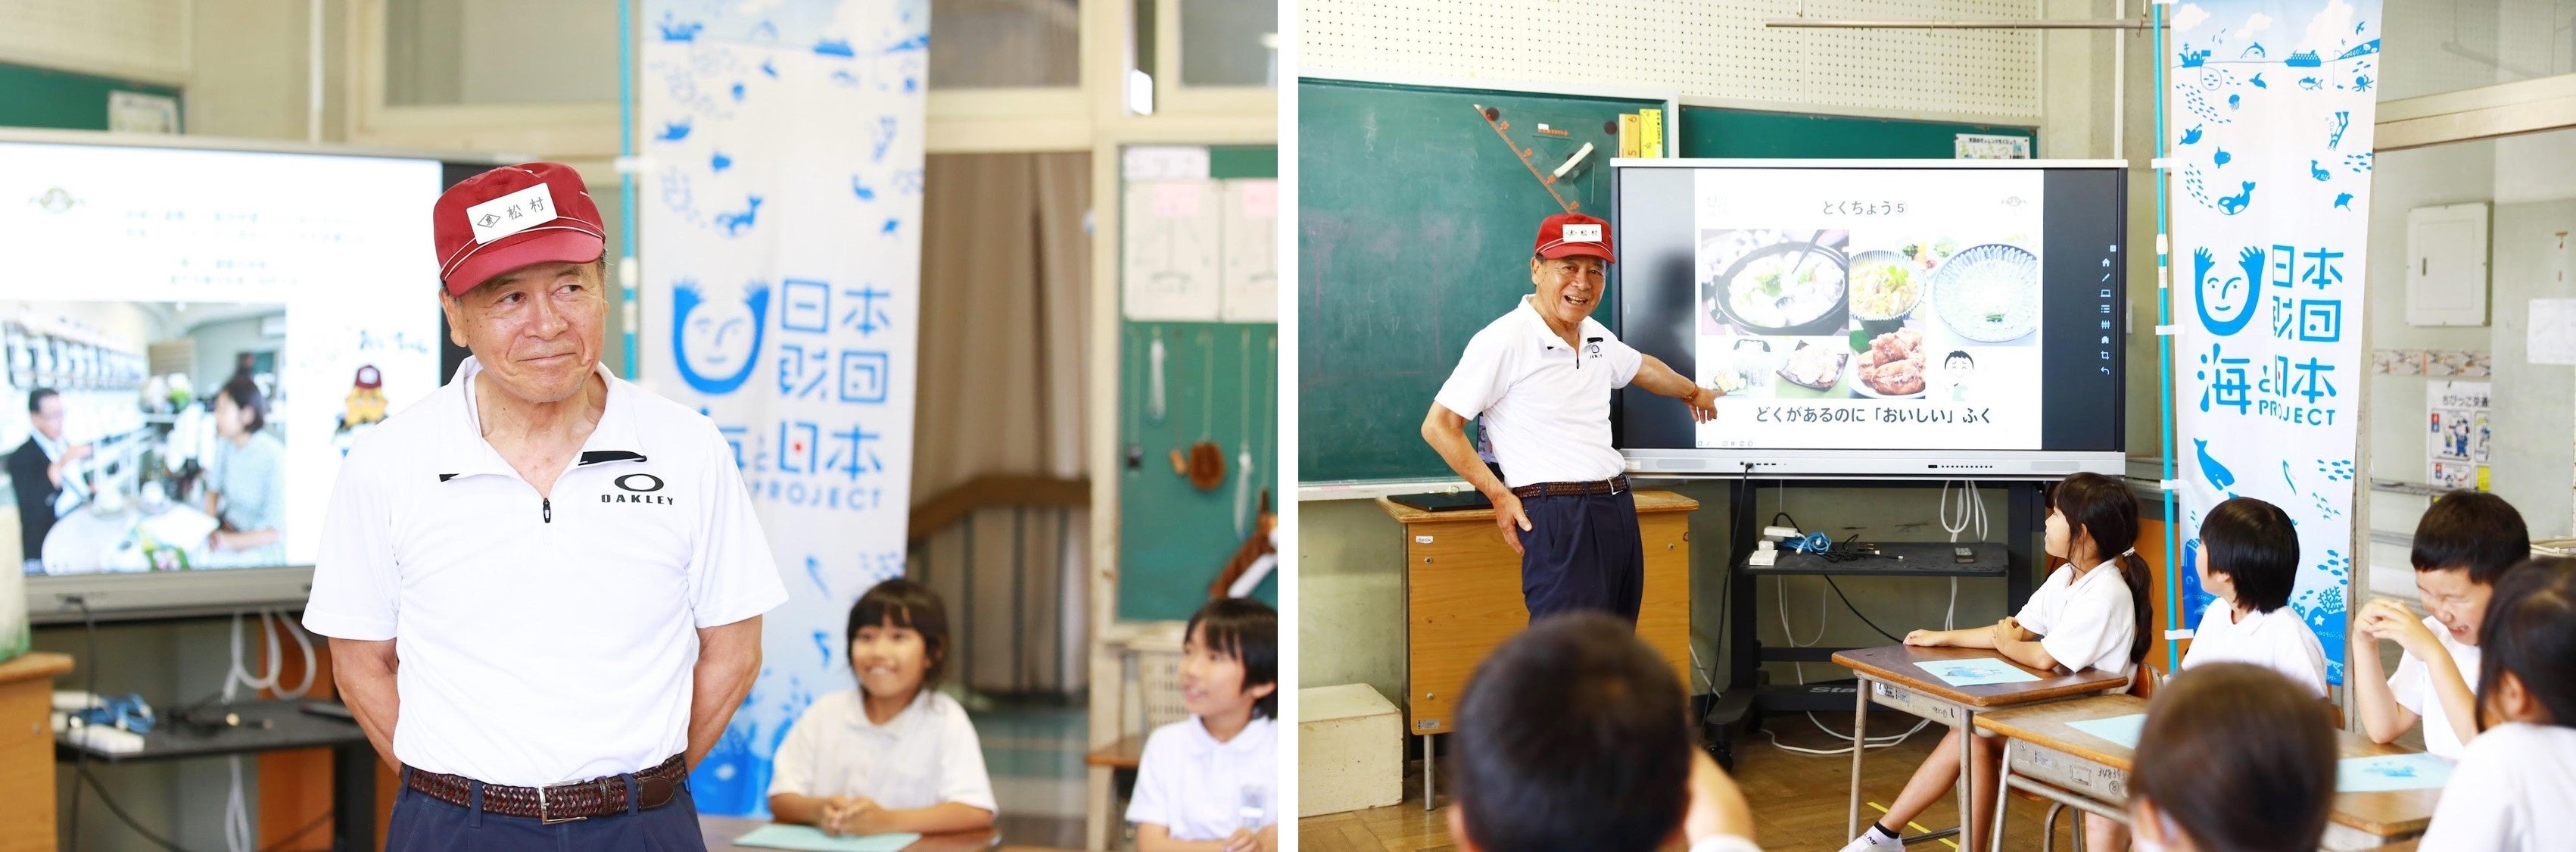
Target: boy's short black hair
[(1958, 355), (2473, 530), (1573, 735), (2240, 757), (2254, 544), (903, 603), (1248, 630)]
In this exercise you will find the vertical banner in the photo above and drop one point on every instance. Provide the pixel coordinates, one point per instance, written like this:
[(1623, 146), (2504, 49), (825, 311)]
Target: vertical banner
[(2270, 112), (780, 207)]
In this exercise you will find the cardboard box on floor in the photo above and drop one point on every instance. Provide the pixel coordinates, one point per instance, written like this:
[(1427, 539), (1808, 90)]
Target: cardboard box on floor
[(1350, 750)]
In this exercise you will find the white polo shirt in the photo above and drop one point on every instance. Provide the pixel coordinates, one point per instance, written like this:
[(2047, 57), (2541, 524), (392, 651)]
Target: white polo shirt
[(1201, 789), (2278, 640), (542, 639), (2083, 622), (1546, 406), (2511, 793), (2412, 686), (926, 755)]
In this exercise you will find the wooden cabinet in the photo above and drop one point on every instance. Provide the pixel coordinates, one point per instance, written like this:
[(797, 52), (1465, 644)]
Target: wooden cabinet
[(1463, 596), (27, 751)]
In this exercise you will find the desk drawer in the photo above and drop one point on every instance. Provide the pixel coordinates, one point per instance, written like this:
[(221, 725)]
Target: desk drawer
[(2070, 773), (1887, 694)]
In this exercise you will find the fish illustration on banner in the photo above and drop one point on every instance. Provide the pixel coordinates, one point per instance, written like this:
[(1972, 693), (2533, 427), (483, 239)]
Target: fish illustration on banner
[(2272, 103), (780, 276)]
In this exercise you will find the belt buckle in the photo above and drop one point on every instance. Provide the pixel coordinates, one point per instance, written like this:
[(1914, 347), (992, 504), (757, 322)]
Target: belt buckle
[(543, 818)]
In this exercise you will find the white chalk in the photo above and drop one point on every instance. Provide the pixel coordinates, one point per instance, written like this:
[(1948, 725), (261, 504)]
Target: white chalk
[(1570, 162)]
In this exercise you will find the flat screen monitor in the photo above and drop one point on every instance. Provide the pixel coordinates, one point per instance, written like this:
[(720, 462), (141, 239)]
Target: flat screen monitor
[(192, 340), (1876, 318)]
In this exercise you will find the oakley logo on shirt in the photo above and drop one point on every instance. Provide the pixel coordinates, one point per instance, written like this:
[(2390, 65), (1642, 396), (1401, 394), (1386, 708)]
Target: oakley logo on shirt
[(642, 484)]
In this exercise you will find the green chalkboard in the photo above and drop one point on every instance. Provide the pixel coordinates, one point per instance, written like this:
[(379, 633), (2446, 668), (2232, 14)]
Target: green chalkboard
[(1742, 133), (1218, 378), (1414, 224), (40, 97)]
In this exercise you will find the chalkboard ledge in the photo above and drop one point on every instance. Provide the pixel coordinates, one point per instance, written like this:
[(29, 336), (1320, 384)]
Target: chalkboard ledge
[(1371, 489)]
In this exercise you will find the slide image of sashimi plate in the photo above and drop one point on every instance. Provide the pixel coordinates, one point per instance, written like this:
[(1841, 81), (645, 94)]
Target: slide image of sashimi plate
[(1989, 293)]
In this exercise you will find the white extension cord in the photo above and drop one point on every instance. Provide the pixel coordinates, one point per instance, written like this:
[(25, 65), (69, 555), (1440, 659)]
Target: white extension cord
[(237, 830)]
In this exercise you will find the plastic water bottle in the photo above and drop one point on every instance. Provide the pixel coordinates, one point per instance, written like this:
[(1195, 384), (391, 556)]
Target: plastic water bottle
[(1256, 807)]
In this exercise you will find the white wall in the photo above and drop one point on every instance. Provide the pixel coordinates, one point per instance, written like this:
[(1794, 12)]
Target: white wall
[(2535, 405)]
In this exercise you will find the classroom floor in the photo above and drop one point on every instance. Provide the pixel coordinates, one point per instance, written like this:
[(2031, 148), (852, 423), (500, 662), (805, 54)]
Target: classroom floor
[(1799, 801), (1033, 751)]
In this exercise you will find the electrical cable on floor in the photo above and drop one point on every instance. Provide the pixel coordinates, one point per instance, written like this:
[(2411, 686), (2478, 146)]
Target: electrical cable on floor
[(89, 625), (120, 813)]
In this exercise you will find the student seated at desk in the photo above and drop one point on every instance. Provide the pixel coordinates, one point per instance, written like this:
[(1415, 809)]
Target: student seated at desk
[(1209, 783), (1574, 735), (2466, 540), (2249, 558), (2515, 787), (893, 755), (2094, 612), (2234, 757)]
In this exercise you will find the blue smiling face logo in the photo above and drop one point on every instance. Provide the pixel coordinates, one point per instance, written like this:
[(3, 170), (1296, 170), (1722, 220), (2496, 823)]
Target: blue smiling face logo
[(717, 343)]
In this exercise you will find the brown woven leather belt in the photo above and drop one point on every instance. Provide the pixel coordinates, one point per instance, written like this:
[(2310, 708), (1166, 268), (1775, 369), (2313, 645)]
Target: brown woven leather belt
[(1612, 485), (560, 803)]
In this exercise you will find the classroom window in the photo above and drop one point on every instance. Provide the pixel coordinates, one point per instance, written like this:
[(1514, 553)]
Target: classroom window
[(1230, 43), (1016, 44), (2436, 46), (489, 52)]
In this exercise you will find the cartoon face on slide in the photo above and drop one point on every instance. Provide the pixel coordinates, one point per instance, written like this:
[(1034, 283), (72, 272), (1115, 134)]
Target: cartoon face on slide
[(717, 343)]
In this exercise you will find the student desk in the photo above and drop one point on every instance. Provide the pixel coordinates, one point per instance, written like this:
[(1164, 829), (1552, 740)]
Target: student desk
[(1893, 677), (1462, 597), (2088, 773)]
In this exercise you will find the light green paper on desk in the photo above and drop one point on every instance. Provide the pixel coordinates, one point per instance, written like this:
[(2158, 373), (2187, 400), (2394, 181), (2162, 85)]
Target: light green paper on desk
[(2118, 729), (1976, 671), (2417, 771), (811, 839)]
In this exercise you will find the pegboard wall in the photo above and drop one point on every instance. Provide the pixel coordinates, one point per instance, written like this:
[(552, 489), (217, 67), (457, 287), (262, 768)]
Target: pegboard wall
[(1700, 48), (140, 39)]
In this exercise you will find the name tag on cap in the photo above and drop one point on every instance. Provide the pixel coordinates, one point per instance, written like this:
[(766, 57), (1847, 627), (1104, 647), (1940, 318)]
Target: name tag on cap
[(1582, 233), (512, 213)]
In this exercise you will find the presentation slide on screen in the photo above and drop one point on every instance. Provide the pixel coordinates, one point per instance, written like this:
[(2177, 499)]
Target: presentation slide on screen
[(1889, 308), (143, 280)]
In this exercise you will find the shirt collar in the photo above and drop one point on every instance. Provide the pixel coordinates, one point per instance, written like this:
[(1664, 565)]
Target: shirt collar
[(1539, 331), (903, 719), (1255, 736), (53, 448), (464, 452)]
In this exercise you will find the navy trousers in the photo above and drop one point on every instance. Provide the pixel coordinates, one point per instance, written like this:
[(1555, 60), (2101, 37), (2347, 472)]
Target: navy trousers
[(424, 824), (1582, 553)]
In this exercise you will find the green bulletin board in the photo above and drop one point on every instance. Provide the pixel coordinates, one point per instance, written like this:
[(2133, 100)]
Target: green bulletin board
[(40, 97), (1221, 385)]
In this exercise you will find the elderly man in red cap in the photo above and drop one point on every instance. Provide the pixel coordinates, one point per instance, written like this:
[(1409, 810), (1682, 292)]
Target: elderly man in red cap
[(1541, 377), (543, 584)]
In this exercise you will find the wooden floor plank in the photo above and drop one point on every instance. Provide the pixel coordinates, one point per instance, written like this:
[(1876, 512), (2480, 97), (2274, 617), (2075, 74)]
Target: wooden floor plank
[(1799, 801)]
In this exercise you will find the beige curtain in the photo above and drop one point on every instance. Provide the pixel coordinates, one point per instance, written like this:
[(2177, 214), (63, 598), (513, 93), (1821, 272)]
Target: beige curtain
[(1004, 308), (1003, 316)]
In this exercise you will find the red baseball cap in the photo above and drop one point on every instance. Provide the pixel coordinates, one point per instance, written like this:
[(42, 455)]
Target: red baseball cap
[(513, 216), (1574, 235)]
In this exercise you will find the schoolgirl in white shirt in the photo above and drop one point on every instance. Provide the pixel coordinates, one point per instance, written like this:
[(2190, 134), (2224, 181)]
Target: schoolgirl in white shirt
[(2092, 613), (2249, 558), (1210, 783), (893, 755), (2515, 787)]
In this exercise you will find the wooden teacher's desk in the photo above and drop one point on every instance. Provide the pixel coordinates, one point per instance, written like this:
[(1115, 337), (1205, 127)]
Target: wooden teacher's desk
[(1462, 595)]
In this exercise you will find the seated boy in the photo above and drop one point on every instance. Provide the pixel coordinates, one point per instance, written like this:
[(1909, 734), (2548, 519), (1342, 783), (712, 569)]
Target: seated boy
[(2466, 540), (1574, 735)]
